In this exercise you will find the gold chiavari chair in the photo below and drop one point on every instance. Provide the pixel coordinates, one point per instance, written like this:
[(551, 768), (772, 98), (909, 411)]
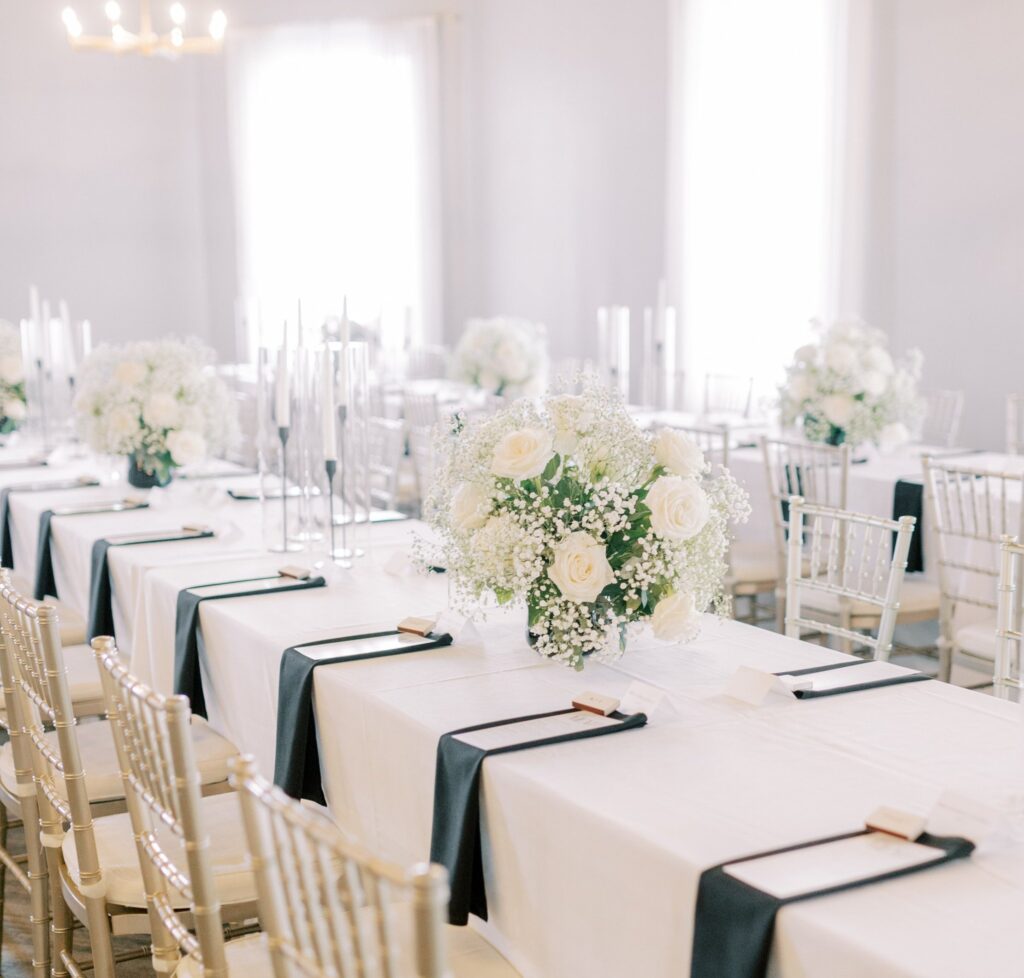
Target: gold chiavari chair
[(330, 909), (193, 864), (971, 511), (843, 569), (1007, 677), (78, 785)]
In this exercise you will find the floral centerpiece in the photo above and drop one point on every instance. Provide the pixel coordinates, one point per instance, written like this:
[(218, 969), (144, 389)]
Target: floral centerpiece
[(568, 508), (847, 388), (12, 379), (159, 403), (502, 356)]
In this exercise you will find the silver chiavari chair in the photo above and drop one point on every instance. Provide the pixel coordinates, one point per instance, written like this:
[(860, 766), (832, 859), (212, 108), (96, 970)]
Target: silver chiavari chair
[(941, 425), (194, 868), (1015, 424), (820, 474), (728, 394), (387, 445), (427, 363), (971, 511), (78, 785), (844, 574), (330, 909), (422, 415), (1007, 677)]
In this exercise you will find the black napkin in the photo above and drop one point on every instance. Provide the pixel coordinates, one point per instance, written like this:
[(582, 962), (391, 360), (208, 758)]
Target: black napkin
[(101, 610), (6, 546), (187, 677), (908, 500), (732, 934), (297, 762), (810, 694), (455, 839), (46, 583)]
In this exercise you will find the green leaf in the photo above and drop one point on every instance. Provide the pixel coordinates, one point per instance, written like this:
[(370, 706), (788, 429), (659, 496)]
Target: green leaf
[(504, 595), (551, 468)]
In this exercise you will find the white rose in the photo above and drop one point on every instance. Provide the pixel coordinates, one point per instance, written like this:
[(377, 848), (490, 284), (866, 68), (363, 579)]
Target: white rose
[(806, 354), (128, 373), (678, 452), (186, 447), (469, 507), (580, 567), (841, 357), (123, 421), (161, 411), (877, 358), (679, 507), (12, 371), (571, 419), (892, 436), (874, 383), (522, 454), (838, 409), (512, 361), (14, 409), (675, 618), (801, 387)]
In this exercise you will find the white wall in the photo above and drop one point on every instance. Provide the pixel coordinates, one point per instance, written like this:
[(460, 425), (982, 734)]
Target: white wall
[(946, 248), (99, 181)]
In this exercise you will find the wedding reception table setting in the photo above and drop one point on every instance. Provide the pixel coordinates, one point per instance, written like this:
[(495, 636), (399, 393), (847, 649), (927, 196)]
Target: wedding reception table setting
[(773, 806)]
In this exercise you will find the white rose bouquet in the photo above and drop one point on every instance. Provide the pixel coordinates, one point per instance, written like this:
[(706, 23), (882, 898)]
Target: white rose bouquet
[(160, 403), (12, 379), (847, 388), (568, 508), (502, 356)]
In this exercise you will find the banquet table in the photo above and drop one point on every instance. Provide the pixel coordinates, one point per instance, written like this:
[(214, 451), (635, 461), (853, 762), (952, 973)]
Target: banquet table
[(592, 849)]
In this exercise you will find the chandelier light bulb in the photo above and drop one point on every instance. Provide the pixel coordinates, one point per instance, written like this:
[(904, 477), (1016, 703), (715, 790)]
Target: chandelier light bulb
[(71, 22), (178, 14), (218, 24), (113, 11)]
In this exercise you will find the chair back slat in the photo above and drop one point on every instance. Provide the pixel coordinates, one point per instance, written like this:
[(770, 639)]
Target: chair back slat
[(162, 790), (728, 394), (1008, 678), (843, 560), (941, 424), (329, 908)]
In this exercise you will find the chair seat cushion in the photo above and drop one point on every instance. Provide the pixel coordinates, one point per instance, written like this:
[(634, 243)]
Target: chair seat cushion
[(99, 759), (916, 598), (72, 624), (469, 956), (978, 638), (119, 859)]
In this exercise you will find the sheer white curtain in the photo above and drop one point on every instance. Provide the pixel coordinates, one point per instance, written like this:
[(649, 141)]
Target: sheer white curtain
[(335, 145), (756, 188)]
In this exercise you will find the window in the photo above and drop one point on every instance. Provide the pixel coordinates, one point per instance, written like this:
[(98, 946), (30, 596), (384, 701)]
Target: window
[(334, 139)]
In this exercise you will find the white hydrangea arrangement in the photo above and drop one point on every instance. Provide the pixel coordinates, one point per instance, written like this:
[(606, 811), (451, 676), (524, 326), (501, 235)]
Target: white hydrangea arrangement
[(569, 509), (847, 388), (158, 402), (13, 407), (502, 356)]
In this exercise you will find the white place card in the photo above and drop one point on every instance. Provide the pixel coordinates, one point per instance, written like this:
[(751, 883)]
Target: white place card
[(399, 565), (452, 623), (861, 857), (958, 814), (491, 738), (641, 698), (754, 686)]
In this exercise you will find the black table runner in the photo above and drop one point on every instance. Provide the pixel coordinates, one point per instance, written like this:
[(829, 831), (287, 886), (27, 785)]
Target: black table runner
[(455, 839), (101, 607), (61, 485), (809, 694), (187, 677), (297, 760), (735, 921)]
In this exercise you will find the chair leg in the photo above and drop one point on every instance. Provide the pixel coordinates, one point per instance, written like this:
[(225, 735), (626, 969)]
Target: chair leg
[(945, 673), (39, 891), (61, 923), (4, 826), (780, 611)]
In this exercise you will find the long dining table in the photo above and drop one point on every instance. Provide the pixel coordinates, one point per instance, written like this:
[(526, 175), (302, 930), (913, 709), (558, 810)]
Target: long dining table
[(593, 849)]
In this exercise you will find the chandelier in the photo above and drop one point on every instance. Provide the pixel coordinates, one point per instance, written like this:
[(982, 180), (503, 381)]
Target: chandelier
[(146, 40)]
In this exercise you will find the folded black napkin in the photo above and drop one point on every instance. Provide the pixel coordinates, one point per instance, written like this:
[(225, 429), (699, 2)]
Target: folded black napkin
[(732, 934), (455, 839), (46, 583), (297, 762), (187, 677), (6, 546), (101, 610), (908, 500), (810, 694)]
